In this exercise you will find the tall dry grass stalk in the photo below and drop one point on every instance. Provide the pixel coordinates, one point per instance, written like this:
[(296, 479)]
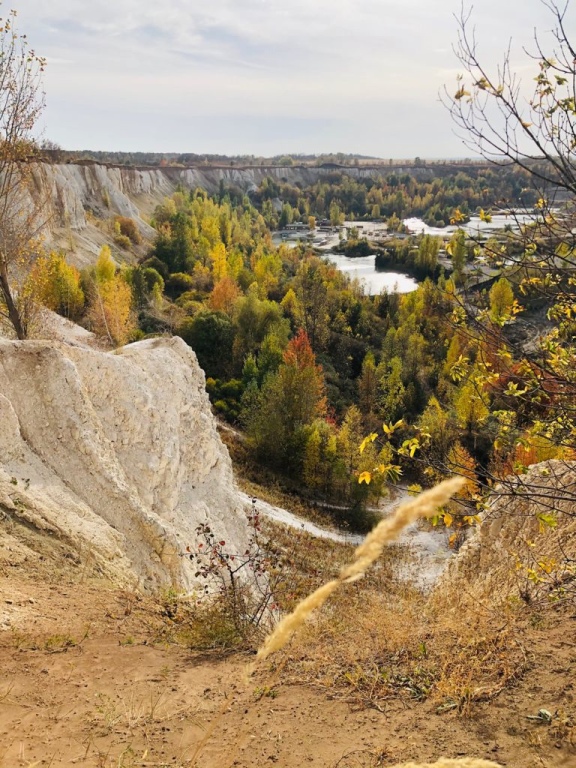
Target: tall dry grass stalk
[(367, 553)]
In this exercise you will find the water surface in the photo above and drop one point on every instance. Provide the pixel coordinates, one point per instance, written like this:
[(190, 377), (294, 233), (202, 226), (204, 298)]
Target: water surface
[(364, 269), (475, 226)]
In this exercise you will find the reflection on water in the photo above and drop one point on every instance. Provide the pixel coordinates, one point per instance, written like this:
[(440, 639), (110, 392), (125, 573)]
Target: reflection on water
[(364, 269)]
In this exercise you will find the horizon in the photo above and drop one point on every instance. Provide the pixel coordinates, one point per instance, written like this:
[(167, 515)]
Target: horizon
[(295, 156)]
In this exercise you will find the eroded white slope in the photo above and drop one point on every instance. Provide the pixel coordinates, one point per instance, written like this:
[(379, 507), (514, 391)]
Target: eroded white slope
[(116, 454)]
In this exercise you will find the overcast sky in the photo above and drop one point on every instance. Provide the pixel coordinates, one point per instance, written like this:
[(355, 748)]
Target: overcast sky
[(261, 76)]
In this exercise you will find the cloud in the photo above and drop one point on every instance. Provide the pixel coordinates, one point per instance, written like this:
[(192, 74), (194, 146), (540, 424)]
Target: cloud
[(338, 62)]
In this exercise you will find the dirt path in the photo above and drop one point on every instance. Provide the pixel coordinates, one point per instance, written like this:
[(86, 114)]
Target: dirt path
[(87, 681), (429, 547)]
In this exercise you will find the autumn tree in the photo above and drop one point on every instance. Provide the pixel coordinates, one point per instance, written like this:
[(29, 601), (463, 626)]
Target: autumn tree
[(368, 391), (534, 134), (312, 293), (224, 296), (110, 301), (57, 285), (290, 401), (21, 216), (501, 301), (457, 251)]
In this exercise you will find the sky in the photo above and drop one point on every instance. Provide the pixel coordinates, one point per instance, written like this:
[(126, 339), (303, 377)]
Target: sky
[(263, 77)]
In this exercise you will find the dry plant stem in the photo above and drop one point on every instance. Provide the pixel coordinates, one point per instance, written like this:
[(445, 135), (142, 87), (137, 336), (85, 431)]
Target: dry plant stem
[(367, 553)]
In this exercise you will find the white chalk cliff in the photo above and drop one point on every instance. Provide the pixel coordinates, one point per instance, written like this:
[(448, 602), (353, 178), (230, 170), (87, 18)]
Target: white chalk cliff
[(115, 456), (77, 200)]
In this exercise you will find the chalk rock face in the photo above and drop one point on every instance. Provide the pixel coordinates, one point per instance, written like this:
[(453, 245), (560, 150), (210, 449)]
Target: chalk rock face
[(78, 200), (115, 454), (530, 521)]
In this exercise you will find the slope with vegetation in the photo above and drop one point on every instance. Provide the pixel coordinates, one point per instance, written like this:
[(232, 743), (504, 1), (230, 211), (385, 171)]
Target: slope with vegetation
[(445, 380)]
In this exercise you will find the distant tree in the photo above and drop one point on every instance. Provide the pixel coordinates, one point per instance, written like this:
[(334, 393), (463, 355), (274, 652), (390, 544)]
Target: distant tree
[(501, 301), (471, 407), (368, 391), (211, 335), (458, 252), (224, 295), (128, 228), (392, 390), (290, 402), (312, 294), (287, 215), (146, 283), (336, 215), (109, 311), (428, 249), (21, 217), (57, 285)]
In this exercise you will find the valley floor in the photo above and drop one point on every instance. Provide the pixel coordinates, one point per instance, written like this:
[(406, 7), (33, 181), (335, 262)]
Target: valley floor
[(89, 678)]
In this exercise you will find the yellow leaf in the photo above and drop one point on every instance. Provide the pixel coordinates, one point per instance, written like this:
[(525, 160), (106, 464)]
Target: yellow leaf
[(390, 428), (457, 216), (365, 477), (448, 519), (369, 439)]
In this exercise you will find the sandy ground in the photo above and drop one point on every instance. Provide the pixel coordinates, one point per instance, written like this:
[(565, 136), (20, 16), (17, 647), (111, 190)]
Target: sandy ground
[(87, 680)]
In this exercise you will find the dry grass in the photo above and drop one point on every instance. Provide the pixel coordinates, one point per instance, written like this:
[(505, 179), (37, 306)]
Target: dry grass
[(387, 530), (377, 642), (381, 638)]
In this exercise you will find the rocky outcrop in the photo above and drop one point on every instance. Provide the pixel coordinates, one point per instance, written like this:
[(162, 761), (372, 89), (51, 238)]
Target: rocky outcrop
[(526, 545), (115, 456), (77, 201)]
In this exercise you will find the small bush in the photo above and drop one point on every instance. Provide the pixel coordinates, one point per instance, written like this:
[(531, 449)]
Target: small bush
[(128, 228), (179, 283), (122, 241)]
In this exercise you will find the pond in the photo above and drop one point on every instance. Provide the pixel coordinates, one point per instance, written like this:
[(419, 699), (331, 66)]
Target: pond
[(364, 269)]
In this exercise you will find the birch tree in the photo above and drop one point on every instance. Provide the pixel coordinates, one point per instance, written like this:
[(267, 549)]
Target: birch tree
[(21, 103)]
